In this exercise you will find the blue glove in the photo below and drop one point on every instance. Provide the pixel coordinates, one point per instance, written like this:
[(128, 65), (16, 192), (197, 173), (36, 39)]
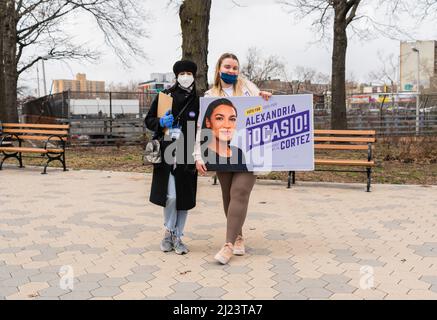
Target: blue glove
[(167, 120)]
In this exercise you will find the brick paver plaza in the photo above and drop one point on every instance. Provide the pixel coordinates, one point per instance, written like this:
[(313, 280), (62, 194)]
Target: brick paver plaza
[(314, 241)]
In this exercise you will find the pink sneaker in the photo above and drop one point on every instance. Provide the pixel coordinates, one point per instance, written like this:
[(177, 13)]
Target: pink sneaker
[(225, 254), (239, 246)]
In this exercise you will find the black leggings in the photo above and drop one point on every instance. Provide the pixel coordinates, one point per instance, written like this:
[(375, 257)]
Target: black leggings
[(236, 189)]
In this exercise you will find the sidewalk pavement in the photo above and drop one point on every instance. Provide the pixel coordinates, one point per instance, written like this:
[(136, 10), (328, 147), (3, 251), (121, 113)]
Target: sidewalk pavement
[(94, 235)]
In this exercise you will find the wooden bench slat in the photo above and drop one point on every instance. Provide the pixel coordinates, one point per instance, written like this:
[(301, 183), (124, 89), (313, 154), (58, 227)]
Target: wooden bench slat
[(341, 147), (40, 138), (345, 132), (47, 132), (344, 139), (31, 150), (35, 125), (343, 162)]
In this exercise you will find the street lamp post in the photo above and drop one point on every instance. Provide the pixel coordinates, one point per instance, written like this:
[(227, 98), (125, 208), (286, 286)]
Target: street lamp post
[(418, 89), (44, 73), (44, 77), (37, 78)]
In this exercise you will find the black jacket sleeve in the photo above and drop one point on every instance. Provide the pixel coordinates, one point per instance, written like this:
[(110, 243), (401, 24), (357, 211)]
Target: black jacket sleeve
[(152, 121)]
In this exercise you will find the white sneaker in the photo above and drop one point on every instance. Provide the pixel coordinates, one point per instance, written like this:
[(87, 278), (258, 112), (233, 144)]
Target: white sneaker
[(225, 253), (239, 249)]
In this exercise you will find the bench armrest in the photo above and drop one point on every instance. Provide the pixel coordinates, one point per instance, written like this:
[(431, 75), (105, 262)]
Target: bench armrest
[(369, 152), (55, 136)]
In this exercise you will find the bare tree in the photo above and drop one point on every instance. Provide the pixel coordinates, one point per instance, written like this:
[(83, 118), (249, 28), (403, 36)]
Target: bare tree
[(130, 86), (351, 83), (322, 78), (3, 114), (194, 16), (387, 70), (342, 15), (259, 69), (33, 32), (425, 9), (7, 55), (303, 75), (253, 61)]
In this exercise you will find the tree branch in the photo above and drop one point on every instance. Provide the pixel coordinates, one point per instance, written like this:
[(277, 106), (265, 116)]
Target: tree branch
[(68, 53), (120, 21), (353, 12)]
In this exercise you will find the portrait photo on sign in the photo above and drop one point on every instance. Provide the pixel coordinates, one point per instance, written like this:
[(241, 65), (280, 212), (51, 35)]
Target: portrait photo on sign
[(242, 134)]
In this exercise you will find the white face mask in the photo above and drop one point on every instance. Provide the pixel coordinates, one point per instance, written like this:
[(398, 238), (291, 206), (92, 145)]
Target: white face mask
[(185, 80)]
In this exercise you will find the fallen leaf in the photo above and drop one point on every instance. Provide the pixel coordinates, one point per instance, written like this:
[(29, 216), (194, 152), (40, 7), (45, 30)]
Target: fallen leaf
[(184, 272)]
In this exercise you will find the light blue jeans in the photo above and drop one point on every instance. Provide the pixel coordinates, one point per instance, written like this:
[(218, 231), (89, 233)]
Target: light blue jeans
[(174, 220)]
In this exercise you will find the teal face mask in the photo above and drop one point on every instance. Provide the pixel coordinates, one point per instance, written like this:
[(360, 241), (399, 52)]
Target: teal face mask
[(229, 78)]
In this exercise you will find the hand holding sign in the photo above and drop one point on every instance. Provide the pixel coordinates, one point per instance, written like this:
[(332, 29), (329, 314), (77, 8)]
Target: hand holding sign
[(167, 120)]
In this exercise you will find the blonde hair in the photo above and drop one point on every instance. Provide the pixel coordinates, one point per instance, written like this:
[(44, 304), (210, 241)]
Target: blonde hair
[(217, 89)]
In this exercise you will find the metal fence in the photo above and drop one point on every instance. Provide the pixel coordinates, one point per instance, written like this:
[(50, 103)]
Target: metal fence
[(108, 118), (95, 118), (117, 118), (104, 132), (386, 125), (388, 113)]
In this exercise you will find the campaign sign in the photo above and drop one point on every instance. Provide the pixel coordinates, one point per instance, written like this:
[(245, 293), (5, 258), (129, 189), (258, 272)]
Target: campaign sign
[(251, 134)]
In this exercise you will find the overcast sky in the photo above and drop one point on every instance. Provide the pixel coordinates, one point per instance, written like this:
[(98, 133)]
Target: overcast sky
[(260, 23)]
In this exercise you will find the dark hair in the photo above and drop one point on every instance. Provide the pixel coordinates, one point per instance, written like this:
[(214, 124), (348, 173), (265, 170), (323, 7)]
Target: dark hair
[(185, 65), (180, 66), (215, 104)]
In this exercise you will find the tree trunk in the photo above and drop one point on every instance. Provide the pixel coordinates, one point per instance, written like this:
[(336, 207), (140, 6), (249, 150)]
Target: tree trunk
[(194, 16), (338, 106), (2, 69), (10, 75)]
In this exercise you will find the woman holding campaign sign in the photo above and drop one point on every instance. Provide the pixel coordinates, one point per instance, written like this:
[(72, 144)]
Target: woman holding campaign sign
[(174, 183), (235, 180)]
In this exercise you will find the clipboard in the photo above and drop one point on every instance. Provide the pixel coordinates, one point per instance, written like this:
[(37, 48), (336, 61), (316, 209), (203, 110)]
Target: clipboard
[(165, 103)]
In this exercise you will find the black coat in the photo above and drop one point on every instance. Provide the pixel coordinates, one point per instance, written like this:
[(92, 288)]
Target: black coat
[(185, 173)]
